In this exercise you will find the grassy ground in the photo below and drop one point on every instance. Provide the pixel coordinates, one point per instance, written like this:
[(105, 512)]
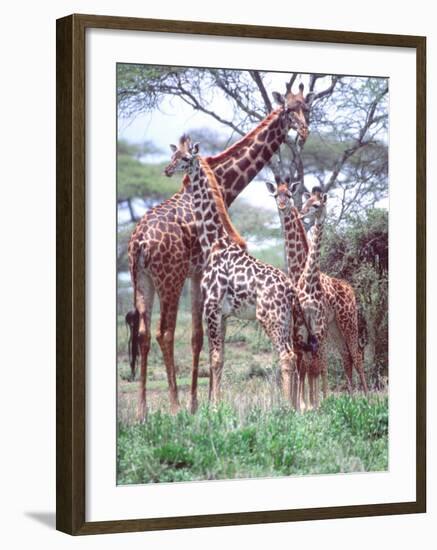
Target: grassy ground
[(253, 433)]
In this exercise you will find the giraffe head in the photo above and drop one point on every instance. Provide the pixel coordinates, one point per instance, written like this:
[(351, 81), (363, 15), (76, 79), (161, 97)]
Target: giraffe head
[(184, 157), (315, 205), (282, 192), (295, 109)]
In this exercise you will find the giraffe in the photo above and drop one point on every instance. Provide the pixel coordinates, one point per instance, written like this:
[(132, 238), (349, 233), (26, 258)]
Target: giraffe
[(233, 282), (164, 250), (328, 306), (342, 322), (296, 252)]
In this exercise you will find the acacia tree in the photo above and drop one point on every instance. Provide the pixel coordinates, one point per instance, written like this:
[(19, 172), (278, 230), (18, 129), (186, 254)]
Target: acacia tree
[(347, 148)]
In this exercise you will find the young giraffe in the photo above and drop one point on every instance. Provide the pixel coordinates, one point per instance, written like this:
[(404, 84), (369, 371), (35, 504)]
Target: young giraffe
[(327, 304), (233, 282), (296, 252), (343, 313), (164, 249)]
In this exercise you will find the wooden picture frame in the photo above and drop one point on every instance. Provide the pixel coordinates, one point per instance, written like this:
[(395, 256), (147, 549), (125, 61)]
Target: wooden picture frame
[(71, 275)]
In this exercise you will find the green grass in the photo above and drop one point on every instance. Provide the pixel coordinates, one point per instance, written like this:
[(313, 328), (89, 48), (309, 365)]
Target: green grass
[(347, 434), (252, 433)]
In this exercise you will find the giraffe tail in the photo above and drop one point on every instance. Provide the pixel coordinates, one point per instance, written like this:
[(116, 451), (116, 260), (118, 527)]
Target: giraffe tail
[(132, 320)]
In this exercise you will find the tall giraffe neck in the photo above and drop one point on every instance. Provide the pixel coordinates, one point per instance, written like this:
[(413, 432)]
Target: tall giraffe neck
[(212, 219), (295, 243), (236, 166), (311, 273)]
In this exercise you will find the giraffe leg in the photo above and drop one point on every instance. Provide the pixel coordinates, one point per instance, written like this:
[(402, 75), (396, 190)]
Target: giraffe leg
[(317, 392), (318, 364), (277, 329), (165, 338), (144, 304), (347, 366), (216, 336), (347, 330), (304, 385), (338, 332), (359, 367), (301, 377), (196, 337), (357, 362), (295, 382), (314, 388), (311, 388), (354, 361), (322, 358)]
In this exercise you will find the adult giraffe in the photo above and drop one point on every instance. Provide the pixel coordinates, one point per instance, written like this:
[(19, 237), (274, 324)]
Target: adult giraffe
[(328, 306), (164, 249)]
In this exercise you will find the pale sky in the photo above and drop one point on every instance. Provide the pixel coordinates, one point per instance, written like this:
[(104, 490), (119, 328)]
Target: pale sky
[(165, 125)]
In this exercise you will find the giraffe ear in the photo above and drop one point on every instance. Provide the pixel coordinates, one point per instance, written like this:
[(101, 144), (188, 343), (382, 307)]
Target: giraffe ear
[(324, 198), (306, 195), (271, 188), (173, 147), (279, 98), (195, 148), (294, 187)]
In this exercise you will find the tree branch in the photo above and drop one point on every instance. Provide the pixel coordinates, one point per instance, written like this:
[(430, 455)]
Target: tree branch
[(189, 98), (359, 142), (221, 84), (258, 81), (290, 83), (311, 96)]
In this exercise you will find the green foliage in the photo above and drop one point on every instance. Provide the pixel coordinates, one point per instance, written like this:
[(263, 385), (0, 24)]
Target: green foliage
[(123, 235), (136, 179), (273, 255), (362, 240), (137, 150), (346, 435), (358, 415), (256, 224), (139, 87)]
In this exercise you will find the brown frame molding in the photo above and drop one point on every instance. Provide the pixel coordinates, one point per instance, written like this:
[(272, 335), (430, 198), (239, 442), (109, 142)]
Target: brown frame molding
[(70, 274)]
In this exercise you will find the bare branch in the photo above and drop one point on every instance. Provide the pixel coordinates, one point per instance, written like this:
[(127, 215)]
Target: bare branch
[(359, 142), (222, 85), (311, 97), (290, 83), (258, 81), (189, 98), (313, 79)]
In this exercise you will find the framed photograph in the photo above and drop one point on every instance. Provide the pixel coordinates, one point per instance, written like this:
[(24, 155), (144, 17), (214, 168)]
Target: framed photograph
[(240, 274)]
